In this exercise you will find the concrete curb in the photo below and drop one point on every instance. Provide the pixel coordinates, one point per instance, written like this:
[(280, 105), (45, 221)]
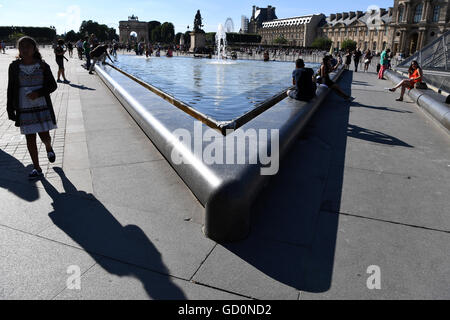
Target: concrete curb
[(436, 109), (225, 190)]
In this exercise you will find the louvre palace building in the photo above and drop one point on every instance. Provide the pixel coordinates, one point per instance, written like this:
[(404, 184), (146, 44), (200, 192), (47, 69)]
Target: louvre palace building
[(406, 27)]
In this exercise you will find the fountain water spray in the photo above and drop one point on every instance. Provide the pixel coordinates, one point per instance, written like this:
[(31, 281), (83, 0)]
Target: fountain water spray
[(221, 42)]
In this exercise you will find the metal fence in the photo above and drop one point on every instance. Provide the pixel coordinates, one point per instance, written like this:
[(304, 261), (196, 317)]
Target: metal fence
[(434, 56)]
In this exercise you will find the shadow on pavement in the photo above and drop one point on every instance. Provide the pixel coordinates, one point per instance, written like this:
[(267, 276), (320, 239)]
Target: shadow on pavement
[(12, 170), (375, 136), (293, 236), (357, 104), (94, 228), (81, 87)]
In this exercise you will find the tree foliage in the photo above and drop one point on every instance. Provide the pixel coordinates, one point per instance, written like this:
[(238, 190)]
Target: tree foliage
[(178, 37), (40, 34), (322, 43), (72, 36), (152, 25), (15, 36), (101, 31), (280, 40), (156, 34), (348, 45), (167, 32)]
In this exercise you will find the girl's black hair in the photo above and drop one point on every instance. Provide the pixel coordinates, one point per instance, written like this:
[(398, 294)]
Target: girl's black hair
[(411, 70), (37, 55)]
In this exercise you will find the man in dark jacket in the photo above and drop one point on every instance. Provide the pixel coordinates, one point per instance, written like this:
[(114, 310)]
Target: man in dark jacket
[(357, 58), (99, 54), (302, 79)]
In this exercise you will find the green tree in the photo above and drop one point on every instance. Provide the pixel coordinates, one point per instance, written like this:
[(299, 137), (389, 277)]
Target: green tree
[(322, 43), (210, 38), (187, 38), (14, 37), (280, 40), (71, 36), (40, 34), (156, 34), (151, 26), (101, 31), (348, 45), (167, 32), (178, 37)]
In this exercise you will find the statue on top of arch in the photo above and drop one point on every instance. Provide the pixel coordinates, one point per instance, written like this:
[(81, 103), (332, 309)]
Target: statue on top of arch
[(198, 22)]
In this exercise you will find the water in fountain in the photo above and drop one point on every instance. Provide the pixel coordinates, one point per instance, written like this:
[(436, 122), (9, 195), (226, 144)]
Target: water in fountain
[(221, 42)]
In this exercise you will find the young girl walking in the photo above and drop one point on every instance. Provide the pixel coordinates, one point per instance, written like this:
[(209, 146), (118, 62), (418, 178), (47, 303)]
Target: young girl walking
[(30, 83)]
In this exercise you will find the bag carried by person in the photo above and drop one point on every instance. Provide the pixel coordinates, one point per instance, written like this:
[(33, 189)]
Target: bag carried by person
[(421, 86)]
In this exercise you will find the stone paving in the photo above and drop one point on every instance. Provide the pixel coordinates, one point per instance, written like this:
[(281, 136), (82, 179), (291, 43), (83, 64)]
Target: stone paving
[(366, 184)]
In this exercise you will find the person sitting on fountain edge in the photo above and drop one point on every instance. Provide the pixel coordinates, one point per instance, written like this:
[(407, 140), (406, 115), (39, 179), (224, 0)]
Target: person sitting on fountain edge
[(302, 79)]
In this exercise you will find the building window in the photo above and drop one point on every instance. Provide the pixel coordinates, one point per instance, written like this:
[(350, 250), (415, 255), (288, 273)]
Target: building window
[(374, 48), (401, 11), (418, 13), (436, 13)]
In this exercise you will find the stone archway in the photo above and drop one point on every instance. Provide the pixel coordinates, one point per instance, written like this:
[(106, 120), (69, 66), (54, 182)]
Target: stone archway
[(413, 39), (133, 25)]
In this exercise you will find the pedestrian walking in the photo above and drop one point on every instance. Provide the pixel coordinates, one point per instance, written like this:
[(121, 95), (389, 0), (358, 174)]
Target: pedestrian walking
[(384, 63), (30, 83), (87, 52), (367, 60), (357, 58), (348, 60), (79, 46), (70, 49), (60, 51)]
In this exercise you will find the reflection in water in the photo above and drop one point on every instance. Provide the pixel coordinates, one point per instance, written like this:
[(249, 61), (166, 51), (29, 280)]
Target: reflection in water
[(198, 76), (223, 92)]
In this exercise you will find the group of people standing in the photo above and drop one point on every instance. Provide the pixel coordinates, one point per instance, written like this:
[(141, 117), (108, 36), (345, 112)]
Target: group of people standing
[(357, 57), (93, 51)]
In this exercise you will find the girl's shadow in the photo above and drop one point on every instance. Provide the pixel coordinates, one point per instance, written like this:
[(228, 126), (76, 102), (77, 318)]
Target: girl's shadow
[(94, 228), (12, 171)]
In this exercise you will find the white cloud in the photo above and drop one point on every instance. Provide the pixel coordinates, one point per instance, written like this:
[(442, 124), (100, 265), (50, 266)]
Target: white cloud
[(72, 18)]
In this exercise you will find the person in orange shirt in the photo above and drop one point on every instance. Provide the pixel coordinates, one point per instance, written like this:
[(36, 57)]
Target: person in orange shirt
[(415, 76)]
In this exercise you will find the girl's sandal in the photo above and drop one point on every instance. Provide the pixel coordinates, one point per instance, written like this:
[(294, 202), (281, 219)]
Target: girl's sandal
[(35, 174), (51, 156)]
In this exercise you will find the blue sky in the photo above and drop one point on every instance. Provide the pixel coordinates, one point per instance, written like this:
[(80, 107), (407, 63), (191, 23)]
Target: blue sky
[(68, 14)]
